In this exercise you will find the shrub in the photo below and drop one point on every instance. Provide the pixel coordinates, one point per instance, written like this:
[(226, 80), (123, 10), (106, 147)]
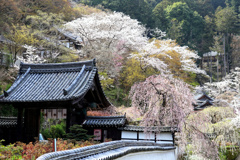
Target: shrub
[(78, 133), (10, 151), (229, 153), (55, 131), (32, 151)]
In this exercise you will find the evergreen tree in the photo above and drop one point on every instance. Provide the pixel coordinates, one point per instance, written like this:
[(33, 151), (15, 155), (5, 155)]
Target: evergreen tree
[(78, 133), (226, 23), (191, 24)]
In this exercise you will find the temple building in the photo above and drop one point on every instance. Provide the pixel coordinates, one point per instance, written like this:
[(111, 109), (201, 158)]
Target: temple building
[(202, 101), (73, 86)]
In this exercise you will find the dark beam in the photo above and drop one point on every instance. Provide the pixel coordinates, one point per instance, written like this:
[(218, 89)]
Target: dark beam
[(19, 124), (68, 121)]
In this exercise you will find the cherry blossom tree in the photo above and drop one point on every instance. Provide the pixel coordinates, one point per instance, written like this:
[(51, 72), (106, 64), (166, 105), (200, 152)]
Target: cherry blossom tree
[(165, 101), (229, 87), (231, 82), (211, 130), (162, 100), (150, 53), (227, 98), (107, 37)]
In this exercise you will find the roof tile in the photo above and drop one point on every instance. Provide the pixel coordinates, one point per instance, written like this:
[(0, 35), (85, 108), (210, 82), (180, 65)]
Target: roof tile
[(46, 82)]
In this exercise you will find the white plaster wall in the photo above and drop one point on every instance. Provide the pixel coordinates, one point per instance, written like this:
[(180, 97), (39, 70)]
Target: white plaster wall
[(59, 114), (152, 155), (142, 135), (164, 136), (129, 134)]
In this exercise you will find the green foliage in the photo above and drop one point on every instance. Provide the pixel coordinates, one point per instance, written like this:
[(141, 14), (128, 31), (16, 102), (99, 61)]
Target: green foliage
[(68, 58), (133, 71), (226, 20), (8, 86), (41, 122), (217, 3), (8, 111), (117, 95), (136, 9), (55, 131), (106, 82), (78, 133), (44, 21), (159, 15), (189, 24), (192, 79), (20, 35), (228, 153), (217, 114), (10, 151), (208, 35), (152, 3)]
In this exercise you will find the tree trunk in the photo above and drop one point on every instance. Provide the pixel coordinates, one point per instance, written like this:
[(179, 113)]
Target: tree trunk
[(224, 56), (227, 54), (211, 69)]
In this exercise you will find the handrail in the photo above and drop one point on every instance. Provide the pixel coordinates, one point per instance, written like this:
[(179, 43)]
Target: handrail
[(84, 152)]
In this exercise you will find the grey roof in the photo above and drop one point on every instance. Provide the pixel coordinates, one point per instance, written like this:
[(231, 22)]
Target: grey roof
[(199, 96), (105, 121), (53, 82), (8, 121), (210, 54), (108, 150), (152, 129), (202, 104), (69, 35)]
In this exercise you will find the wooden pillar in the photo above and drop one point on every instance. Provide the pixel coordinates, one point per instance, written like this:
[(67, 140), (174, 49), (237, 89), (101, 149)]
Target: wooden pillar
[(68, 122), (155, 137), (173, 137), (137, 135), (19, 130)]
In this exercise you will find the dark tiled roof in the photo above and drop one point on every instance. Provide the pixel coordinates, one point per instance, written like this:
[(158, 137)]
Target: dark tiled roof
[(152, 129), (201, 96), (53, 82), (69, 35), (202, 104), (8, 121), (106, 121), (108, 150)]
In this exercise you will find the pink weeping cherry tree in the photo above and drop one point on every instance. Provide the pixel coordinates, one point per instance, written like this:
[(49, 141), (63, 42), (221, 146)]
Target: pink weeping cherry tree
[(162, 100), (166, 101)]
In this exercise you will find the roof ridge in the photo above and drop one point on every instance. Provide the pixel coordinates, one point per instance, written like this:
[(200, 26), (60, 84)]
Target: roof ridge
[(102, 117), (66, 91), (45, 67)]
